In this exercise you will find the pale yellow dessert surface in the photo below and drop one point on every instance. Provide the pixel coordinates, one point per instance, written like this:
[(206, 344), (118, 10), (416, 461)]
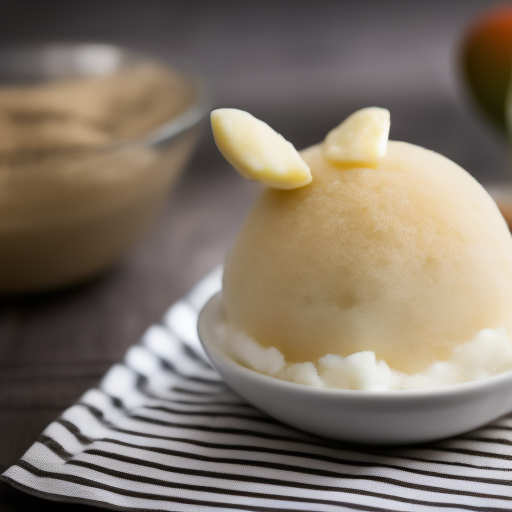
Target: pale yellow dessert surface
[(407, 259)]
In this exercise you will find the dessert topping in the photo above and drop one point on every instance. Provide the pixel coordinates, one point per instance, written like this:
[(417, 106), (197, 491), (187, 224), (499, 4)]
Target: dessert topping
[(361, 138), (257, 151)]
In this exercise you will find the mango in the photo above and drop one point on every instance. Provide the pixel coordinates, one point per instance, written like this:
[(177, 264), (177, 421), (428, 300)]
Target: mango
[(486, 60)]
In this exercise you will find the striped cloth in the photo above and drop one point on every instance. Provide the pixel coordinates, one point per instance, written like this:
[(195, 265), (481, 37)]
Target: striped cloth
[(163, 432)]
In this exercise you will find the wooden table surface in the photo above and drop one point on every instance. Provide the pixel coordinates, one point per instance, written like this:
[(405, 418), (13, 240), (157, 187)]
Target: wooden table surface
[(300, 65)]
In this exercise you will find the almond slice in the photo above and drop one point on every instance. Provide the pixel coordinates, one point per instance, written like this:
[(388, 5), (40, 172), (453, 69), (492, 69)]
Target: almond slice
[(257, 151), (361, 138)]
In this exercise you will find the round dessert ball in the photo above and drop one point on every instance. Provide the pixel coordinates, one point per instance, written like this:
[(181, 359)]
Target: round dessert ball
[(408, 259)]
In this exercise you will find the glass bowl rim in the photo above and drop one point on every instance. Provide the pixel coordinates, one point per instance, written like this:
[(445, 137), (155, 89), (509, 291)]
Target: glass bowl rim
[(175, 126)]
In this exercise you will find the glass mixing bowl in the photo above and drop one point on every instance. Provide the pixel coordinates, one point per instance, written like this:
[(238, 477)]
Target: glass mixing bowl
[(74, 196)]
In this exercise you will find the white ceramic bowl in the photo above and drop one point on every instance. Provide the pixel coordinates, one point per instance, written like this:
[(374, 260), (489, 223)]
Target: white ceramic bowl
[(388, 417)]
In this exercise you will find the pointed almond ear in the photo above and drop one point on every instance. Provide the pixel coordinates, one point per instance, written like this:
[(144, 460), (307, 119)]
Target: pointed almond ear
[(361, 138), (258, 152)]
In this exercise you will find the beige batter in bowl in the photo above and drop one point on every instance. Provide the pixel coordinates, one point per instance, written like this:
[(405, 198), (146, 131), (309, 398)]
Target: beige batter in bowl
[(91, 139)]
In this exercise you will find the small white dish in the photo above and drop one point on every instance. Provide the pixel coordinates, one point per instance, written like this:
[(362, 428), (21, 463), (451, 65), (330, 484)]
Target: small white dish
[(387, 417)]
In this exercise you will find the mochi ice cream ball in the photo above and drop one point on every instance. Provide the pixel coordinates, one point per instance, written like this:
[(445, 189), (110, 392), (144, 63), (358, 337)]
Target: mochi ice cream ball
[(365, 245)]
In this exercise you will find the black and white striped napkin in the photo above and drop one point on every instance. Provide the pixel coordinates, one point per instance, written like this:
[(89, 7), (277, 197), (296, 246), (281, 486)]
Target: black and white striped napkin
[(163, 432)]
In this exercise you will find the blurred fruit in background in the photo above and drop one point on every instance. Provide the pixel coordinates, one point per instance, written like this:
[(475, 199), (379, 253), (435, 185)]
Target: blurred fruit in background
[(486, 62), (486, 57)]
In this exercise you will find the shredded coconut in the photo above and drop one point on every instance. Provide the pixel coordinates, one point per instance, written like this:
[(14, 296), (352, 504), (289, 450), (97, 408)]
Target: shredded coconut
[(487, 354)]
